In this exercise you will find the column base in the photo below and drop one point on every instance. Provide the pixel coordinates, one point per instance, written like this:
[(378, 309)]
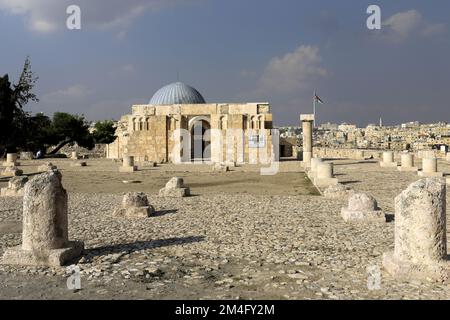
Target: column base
[(402, 270), (51, 258)]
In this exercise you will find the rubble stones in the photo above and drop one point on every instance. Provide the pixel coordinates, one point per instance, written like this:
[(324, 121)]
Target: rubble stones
[(362, 207), (175, 188), (135, 205)]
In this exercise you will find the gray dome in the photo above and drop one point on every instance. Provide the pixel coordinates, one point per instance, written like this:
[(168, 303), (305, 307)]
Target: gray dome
[(177, 93)]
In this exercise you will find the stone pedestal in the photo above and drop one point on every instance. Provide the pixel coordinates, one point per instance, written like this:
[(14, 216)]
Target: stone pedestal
[(128, 165), (420, 233), (307, 121), (45, 225), (175, 188), (362, 207), (135, 205), (388, 160), (11, 160), (429, 169), (325, 175), (75, 156), (407, 163)]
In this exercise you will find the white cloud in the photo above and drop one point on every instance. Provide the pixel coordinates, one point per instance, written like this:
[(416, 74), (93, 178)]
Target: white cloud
[(71, 93), (403, 25), (50, 15), (293, 71)]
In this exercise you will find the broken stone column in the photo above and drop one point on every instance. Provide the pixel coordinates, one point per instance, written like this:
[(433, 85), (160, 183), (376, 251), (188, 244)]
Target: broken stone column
[(429, 168), (175, 188), (388, 160), (447, 157), (15, 187), (420, 233), (45, 225), (11, 160), (135, 205), (74, 156), (362, 207), (128, 165), (47, 167), (307, 126), (12, 172), (324, 176), (407, 163)]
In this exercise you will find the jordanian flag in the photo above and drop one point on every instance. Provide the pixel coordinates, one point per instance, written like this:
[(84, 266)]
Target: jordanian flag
[(317, 99)]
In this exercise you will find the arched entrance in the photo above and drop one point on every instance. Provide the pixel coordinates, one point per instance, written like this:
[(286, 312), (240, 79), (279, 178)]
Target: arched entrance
[(200, 130)]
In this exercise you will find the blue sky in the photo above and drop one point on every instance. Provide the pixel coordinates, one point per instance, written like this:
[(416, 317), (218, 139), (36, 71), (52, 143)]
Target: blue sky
[(236, 51)]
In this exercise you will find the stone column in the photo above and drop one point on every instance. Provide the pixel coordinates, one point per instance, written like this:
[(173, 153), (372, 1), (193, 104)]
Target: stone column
[(325, 175), (11, 160), (307, 126), (128, 164), (74, 155), (448, 157), (420, 233), (407, 163), (429, 168), (45, 225), (388, 160)]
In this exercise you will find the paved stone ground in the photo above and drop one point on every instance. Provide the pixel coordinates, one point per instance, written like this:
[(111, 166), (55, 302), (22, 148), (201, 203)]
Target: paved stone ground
[(281, 242)]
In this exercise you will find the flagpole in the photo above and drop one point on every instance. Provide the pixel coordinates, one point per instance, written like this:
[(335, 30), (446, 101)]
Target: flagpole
[(314, 109)]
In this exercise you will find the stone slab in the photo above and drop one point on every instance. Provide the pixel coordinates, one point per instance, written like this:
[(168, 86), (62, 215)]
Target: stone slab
[(355, 216), (52, 258)]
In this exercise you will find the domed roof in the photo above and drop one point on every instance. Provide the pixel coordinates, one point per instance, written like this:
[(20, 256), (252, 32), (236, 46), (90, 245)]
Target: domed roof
[(177, 93)]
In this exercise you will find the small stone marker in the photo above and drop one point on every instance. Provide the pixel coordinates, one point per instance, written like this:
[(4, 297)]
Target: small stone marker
[(11, 160), (220, 167), (362, 207), (175, 188), (135, 205), (45, 225), (420, 233)]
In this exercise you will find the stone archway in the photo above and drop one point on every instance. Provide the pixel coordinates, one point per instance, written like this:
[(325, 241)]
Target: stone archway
[(200, 131)]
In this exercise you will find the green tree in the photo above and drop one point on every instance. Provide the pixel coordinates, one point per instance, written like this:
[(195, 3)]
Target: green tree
[(69, 129), (13, 98), (104, 132)]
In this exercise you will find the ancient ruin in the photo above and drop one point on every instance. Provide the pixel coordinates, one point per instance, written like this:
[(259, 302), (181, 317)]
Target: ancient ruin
[(362, 207), (420, 233), (135, 205), (175, 188), (15, 187), (45, 238)]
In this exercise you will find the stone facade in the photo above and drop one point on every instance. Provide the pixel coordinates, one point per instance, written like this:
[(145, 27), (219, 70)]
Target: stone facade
[(239, 133)]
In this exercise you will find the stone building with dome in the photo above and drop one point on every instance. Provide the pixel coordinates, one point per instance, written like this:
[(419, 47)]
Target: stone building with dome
[(178, 126)]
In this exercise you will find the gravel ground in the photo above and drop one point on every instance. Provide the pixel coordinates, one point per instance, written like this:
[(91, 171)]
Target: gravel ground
[(277, 242)]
